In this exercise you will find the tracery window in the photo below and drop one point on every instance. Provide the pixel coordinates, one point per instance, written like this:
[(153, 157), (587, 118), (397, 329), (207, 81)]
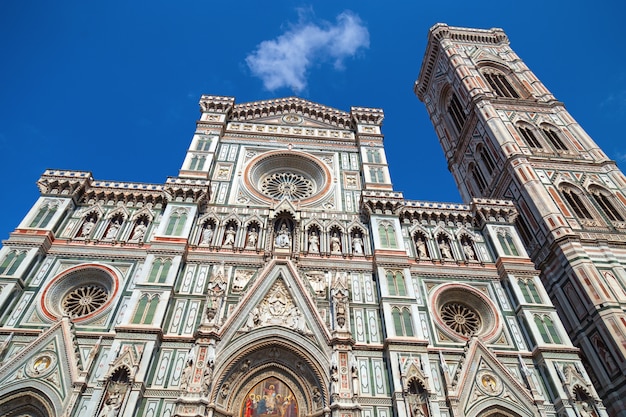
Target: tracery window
[(373, 156), (376, 175), (387, 235), (402, 321), (84, 300), (529, 291), (197, 162), (529, 136), (507, 243), (573, 198), (457, 115), (485, 156), (176, 222), (203, 144), (287, 185), (45, 213), (11, 262), (500, 84), (144, 313), (546, 328), (159, 271), (605, 202), (478, 178), (554, 138), (395, 283), (460, 318)]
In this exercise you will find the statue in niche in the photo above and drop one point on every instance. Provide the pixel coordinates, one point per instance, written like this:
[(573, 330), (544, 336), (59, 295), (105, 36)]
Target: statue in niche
[(314, 242), (207, 235), (139, 232), (340, 303), (111, 407), (357, 244), (468, 250), (584, 409), (87, 227), (444, 248), (253, 237), (113, 229), (283, 238), (207, 377), (335, 243), (422, 252), (229, 240), (334, 378)]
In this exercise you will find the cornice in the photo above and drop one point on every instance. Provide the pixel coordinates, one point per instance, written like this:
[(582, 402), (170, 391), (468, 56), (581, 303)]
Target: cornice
[(441, 32), (259, 109)]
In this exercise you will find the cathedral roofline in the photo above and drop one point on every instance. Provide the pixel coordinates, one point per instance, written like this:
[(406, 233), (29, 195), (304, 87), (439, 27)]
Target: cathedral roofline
[(441, 31)]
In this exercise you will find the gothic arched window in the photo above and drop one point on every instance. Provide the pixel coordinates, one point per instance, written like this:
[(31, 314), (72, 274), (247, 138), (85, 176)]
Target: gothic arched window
[(387, 235), (529, 291), (546, 328), (573, 197), (499, 83), (478, 178), (529, 136), (486, 158), (456, 113), (553, 137), (144, 313), (11, 262), (159, 271), (373, 156), (176, 223), (507, 243), (395, 283), (204, 144), (605, 201), (402, 321), (45, 213), (197, 162)]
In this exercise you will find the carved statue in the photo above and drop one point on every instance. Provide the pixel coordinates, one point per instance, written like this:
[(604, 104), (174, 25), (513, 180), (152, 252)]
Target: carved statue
[(469, 252), (139, 232), (113, 229), (87, 227), (207, 235), (335, 243), (444, 247), (421, 248), (253, 237), (340, 301), (110, 408), (283, 239), (230, 236), (357, 245), (314, 242)]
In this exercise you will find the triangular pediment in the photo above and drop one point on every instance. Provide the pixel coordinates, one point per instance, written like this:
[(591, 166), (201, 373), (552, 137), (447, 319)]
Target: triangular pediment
[(292, 111), (50, 364), (482, 381), (278, 297)]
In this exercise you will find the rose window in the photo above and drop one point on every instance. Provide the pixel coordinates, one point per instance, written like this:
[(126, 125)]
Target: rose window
[(287, 185), (460, 318), (85, 300)]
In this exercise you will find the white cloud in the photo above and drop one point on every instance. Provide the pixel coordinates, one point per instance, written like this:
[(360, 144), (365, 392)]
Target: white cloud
[(285, 61)]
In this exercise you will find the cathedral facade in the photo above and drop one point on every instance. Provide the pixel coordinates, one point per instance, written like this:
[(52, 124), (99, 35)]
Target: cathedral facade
[(279, 274)]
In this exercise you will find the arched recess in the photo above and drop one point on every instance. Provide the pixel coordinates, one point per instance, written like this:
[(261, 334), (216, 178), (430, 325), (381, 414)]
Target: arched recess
[(268, 354), (495, 407), (27, 402)]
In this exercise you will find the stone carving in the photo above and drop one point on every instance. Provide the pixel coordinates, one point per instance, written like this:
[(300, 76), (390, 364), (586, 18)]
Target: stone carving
[(87, 227), (317, 279), (253, 237), (340, 304), (335, 243), (215, 294), (207, 235), (277, 308), (444, 248), (139, 232), (113, 229), (229, 239), (357, 244), (242, 276), (469, 252), (283, 238), (422, 252), (314, 242)]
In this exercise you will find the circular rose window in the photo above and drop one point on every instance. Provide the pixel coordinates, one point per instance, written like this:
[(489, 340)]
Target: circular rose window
[(463, 311), (287, 175), (80, 292)]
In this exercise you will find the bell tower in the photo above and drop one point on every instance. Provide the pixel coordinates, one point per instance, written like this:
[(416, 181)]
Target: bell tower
[(505, 136)]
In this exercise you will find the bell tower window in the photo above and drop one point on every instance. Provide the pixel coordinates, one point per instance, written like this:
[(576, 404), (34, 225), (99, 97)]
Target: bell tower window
[(554, 139), (455, 110), (576, 203), (529, 137)]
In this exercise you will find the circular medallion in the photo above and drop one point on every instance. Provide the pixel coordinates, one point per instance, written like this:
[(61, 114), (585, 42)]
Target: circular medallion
[(292, 119), (41, 364), (488, 382)]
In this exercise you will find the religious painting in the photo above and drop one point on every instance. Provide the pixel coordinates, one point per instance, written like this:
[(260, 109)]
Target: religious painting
[(270, 398)]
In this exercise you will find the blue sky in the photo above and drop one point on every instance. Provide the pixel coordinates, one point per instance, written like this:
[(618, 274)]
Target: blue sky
[(113, 87)]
